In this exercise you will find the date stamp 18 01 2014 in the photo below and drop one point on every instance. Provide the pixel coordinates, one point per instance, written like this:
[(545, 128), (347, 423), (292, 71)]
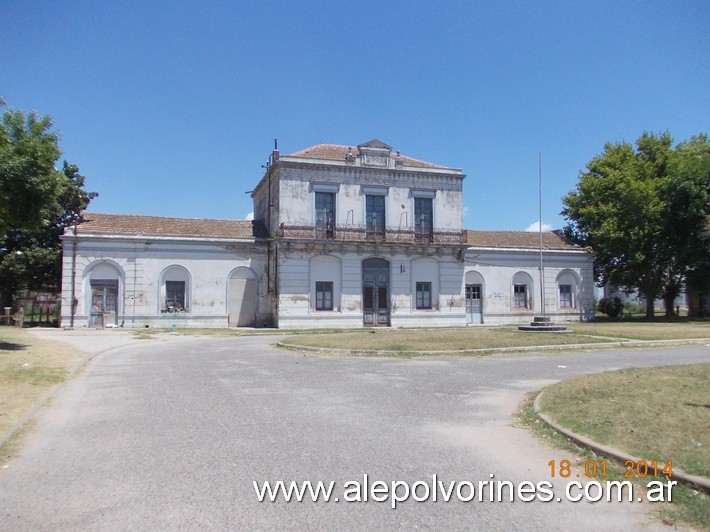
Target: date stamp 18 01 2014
[(594, 468)]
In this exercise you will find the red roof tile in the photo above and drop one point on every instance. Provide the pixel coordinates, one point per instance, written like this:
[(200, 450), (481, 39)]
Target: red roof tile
[(164, 226), (336, 152), (517, 239)]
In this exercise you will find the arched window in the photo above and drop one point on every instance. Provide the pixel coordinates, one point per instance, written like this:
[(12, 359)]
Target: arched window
[(522, 291), (567, 290), (175, 290)]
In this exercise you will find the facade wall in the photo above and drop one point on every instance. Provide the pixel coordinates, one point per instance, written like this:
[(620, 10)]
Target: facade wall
[(300, 270), (297, 184), (498, 271), (340, 274), (142, 268)]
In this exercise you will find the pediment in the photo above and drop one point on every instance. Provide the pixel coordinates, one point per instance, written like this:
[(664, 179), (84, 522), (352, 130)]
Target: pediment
[(375, 143)]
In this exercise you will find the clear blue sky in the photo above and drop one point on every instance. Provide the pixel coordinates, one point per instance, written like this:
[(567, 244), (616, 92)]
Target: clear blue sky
[(170, 108)]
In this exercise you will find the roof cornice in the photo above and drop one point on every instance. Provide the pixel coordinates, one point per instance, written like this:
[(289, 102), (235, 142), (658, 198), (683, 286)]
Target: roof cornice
[(304, 162)]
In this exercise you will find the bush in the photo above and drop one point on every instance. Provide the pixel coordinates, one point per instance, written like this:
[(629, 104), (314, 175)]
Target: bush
[(612, 307)]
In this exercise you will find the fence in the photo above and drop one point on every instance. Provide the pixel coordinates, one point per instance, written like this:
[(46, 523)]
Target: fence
[(36, 309)]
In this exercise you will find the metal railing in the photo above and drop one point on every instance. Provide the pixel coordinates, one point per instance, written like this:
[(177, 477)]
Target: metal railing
[(356, 233)]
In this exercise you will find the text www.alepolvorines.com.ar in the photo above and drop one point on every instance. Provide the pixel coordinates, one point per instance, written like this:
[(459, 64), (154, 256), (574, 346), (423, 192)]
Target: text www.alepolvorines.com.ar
[(436, 490)]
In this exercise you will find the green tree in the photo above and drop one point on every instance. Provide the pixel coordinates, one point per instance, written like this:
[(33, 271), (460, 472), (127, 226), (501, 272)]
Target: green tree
[(29, 181), (37, 203), (633, 207), (686, 243)]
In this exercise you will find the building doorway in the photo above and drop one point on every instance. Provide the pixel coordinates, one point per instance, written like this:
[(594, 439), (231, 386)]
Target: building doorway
[(375, 292), (242, 298), (475, 290), (474, 307), (104, 294)]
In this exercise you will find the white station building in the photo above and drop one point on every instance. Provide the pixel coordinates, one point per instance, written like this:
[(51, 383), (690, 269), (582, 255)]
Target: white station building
[(342, 237)]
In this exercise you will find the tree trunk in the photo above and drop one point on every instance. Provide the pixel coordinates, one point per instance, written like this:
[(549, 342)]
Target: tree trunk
[(649, 306), (670, 294), (668, 303)]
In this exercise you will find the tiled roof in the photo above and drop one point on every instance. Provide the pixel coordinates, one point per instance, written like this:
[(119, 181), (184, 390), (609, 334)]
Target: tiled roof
[(164, 226), (516, 239), (337, 152)]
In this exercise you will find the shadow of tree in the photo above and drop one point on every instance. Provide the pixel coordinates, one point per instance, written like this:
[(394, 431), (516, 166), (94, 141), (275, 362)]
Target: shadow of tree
[(10, 346)]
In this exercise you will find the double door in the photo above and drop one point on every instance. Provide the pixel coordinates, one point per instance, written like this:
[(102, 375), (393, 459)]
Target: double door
[(104, 297), (375, 297)]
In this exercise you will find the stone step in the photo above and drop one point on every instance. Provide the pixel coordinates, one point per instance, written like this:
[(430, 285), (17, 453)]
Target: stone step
[(541, 319), (533, 327)]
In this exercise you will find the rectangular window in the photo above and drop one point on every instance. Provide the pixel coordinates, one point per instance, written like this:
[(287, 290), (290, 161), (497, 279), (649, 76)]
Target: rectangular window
[(423, 295), (175, 296), (520, 296), (324, 295), (423, 219), (566, 296), (375, 213), (325, 214)]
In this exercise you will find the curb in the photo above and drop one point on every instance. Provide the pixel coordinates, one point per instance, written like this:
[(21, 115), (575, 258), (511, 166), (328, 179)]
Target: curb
[(492, 350), (615, 454)]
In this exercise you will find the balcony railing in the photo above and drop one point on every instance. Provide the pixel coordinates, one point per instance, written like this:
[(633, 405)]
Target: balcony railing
[(355, 233)]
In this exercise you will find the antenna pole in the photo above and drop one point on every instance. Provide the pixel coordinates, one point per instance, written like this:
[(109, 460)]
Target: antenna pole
[(539, 218)]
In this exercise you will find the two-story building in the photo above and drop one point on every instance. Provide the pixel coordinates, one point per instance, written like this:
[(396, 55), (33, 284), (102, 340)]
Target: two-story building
[(344, 237), (363, 236)]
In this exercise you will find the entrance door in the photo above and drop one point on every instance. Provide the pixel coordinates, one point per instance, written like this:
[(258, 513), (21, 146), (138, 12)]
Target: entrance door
[(474, 310), (104, 295), (242, 298), (375, 292)]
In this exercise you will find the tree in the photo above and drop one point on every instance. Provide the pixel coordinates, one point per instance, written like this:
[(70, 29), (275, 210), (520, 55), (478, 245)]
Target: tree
[(38, 202), (28, 180), (642, 211), (687, 195)]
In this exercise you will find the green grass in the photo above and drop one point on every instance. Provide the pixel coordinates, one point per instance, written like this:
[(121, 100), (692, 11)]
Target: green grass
[(660, 414), (689, 507), (656, 413), (645, 330), (34, 376), (461, 339), (472, 338), (426, 340)]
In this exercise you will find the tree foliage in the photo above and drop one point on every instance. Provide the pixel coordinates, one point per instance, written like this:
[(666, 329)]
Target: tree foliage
[(38, 201), (643, 210)]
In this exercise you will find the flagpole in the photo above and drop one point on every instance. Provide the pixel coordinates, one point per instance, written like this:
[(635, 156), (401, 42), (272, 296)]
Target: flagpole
[(539, 218)]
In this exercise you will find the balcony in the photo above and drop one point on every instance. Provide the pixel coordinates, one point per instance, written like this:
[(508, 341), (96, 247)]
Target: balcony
[(355, 233)]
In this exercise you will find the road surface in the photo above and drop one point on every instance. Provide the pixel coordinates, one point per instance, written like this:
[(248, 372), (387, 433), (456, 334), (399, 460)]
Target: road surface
[(171, 435)]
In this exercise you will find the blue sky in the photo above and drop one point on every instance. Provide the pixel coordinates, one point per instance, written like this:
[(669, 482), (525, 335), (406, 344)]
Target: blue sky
[(171, 108)]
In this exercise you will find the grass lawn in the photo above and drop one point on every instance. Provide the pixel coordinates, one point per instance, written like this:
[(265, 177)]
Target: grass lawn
[(29, 367), (458, 339), (657, 414), (645, 330), (448, 339)]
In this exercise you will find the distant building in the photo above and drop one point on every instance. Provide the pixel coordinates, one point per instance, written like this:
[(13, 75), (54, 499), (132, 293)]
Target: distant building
[(633, 297), (343, 237)]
